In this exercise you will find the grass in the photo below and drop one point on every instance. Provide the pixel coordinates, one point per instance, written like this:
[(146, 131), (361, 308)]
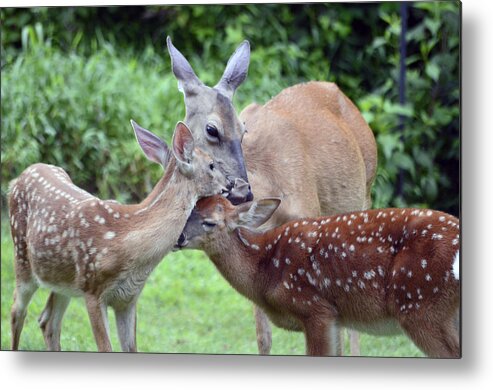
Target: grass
[(185, 307)]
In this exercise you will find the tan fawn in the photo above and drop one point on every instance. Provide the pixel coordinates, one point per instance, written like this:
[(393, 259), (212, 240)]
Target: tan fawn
[(78, 245), (309, 146), (379, 271)]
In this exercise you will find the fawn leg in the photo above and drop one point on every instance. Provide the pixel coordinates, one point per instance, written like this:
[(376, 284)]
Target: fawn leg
[(436, 338), (23, 293), (126, 323), (321, 335), (264, 331), (50, 320), (99, 322)]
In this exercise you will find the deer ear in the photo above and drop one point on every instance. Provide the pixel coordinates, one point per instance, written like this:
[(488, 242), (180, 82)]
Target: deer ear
[(183, 144), (153, 147), (236, 70), (255, 213), (187, 80)]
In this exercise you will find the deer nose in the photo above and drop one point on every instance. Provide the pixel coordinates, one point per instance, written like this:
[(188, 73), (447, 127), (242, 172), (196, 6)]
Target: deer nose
[(181, 240), (241, 192)]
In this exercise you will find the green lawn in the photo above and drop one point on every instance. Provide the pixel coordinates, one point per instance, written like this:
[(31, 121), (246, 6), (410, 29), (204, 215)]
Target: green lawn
[(186, 307)]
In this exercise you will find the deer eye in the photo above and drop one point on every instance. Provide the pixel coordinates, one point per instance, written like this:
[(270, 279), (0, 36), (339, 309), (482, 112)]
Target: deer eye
[(212, 130), (208, 225), (211, 165)]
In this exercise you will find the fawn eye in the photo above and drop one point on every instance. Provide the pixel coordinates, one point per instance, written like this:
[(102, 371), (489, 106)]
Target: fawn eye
[(208, 225), (212, 130), (211, 166)]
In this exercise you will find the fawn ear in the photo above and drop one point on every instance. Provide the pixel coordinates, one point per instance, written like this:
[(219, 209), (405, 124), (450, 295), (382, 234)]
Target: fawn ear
[(236, 70), (183, 144), (153, 147), (255, 213)]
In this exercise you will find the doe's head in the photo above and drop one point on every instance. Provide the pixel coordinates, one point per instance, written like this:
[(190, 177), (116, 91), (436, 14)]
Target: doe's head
[(192, 162), (213, 218), (212, 118)]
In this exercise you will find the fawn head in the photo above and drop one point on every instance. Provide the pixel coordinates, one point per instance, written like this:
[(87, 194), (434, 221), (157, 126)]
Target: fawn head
[(212, 119), (192, 162), (213, 218)]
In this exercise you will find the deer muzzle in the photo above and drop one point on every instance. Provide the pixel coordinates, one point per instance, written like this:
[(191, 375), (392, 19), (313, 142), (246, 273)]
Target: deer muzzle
[(240, 192)]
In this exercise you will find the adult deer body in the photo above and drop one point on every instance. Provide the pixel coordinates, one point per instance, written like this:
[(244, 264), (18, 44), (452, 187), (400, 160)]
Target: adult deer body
[(309, 146), (78, 245), (375, 270)]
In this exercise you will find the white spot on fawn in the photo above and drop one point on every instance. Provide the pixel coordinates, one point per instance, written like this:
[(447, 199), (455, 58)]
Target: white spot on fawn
[(423, 263), (455, 266), (109, 235)]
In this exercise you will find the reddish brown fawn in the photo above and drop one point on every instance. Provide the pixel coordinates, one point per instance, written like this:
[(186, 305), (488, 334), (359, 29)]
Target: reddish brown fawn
[(379, 271), (78, 245)]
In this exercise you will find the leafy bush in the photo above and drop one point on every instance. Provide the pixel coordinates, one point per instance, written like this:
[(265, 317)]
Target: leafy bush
[(355, 45), (74, 112)]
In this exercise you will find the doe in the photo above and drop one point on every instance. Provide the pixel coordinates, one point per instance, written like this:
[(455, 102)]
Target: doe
[(379, 271), (78, 245)]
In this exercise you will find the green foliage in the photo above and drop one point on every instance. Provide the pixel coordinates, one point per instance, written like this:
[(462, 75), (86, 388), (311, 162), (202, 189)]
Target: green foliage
[(93, 68), (74, 112), (425, 150)]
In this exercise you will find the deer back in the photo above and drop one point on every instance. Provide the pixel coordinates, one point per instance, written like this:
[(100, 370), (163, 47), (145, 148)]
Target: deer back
[(310, 146), (369, 266)]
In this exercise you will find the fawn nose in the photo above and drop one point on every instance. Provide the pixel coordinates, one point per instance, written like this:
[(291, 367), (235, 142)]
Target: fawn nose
[(182, 241)]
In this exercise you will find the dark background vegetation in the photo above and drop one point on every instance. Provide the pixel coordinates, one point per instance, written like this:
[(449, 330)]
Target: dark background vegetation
[(73, 77)]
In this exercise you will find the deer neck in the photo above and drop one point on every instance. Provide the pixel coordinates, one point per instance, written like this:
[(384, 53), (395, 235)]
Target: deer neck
[(154, 225), (240, 258)]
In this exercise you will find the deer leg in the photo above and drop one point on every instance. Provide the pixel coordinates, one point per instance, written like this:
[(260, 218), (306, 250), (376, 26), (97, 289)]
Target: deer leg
[(436, 339), (23, 293), (264, 331), (50, 320), (126, 323), (321, 336), (99, 322), (338, 339), (354, 343)]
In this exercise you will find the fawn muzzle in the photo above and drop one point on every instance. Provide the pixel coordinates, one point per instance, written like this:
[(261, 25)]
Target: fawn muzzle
[(182, 242)]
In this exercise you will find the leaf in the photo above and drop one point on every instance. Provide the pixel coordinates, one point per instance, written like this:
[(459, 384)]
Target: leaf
[(388, 143), (398, 109), (433, 71), (405, 162)]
